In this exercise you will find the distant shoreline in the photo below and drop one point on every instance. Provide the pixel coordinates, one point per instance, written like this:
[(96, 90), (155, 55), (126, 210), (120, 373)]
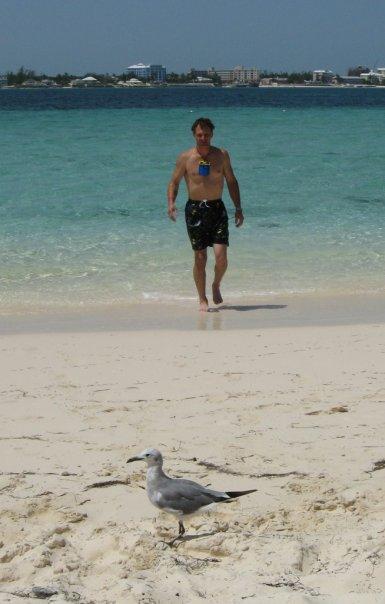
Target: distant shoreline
[(197, 86)]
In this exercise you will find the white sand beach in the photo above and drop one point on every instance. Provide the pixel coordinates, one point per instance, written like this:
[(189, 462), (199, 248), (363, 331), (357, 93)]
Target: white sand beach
[(296, 412)]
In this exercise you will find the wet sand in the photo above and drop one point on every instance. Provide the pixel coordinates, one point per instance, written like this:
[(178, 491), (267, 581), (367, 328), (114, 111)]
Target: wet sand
[(255, 313)]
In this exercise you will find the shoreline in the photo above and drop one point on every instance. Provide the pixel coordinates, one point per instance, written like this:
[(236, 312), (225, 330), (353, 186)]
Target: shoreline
[(241, 314)]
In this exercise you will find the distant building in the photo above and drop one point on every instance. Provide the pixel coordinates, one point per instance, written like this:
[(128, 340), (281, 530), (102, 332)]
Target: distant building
[(280, 81), (3, 80), (156, 73), (33, 84), (275, 82), (239, 74), (246, 76), (134, 82), (323, 76), (49, 83), (381, 74), (374, 77), (91, 81), (226, 75), (198, 73), (351, 80), (87, 82)]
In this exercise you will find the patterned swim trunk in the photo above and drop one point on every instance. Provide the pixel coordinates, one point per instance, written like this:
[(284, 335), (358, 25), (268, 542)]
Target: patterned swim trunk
[(207, 223)]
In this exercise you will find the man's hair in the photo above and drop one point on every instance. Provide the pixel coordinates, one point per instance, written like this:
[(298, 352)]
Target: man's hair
[(203, 122)]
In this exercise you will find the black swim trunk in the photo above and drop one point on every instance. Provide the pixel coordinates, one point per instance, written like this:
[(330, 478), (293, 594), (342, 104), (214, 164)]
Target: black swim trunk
[(207, 223)]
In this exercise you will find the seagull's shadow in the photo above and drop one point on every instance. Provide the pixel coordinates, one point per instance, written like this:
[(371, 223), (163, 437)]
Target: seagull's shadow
[(194, 537), (186, 538)]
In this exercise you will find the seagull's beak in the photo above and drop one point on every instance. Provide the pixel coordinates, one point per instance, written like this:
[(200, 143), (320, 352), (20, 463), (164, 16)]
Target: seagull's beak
[(137, 458)]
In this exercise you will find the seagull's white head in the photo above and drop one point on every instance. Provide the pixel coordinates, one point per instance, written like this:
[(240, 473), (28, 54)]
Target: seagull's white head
[(152, 457)]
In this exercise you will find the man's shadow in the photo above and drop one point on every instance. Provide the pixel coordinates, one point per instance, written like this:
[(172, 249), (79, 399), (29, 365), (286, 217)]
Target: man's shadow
[(248, 307)]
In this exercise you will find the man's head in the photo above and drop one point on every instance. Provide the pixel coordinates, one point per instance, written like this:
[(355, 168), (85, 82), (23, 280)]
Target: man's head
[(203, 130)]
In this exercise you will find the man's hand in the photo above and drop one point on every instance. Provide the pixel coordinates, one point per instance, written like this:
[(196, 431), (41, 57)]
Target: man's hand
[(238, 218), (172, 212)]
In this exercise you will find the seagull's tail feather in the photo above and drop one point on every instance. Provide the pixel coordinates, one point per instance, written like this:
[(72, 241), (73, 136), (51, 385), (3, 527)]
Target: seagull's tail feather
[(235, 494)]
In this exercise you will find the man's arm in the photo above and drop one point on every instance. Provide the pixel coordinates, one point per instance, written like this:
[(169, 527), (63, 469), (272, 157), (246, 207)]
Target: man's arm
[(173, 187), (233, 187)]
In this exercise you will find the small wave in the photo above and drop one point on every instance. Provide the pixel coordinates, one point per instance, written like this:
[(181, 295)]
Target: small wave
[(365, 200), (116, 211), (161, 296), (270, 225)]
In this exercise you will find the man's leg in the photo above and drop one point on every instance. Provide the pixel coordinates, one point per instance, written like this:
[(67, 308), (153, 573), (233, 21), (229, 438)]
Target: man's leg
[(199, 272), (220, 251)]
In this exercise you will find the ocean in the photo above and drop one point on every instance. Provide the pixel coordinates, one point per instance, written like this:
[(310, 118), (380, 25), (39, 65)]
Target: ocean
[(84, 174)]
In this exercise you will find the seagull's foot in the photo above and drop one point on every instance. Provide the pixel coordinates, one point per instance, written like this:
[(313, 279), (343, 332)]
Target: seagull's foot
[(179, 537), (217, 296)]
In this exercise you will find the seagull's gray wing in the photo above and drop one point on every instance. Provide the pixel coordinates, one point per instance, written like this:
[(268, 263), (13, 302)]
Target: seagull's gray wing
[(186, 496)]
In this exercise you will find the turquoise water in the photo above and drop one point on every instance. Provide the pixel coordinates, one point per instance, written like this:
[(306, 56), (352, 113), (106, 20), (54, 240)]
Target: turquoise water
[(83, 204)]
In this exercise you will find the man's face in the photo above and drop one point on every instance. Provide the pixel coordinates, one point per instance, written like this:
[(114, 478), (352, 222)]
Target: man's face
[(203, 136)]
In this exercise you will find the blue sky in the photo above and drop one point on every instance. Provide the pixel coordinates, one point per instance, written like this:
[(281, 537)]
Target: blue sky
[(77, 36)]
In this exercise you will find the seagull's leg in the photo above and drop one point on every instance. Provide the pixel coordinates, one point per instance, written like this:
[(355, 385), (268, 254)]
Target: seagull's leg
[(182, 531)]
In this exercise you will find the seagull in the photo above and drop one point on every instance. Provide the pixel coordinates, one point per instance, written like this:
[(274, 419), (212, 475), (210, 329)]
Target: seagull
[(178, 496)]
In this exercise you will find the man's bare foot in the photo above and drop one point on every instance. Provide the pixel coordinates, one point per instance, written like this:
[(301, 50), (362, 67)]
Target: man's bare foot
[(217, 297), (204, 305)]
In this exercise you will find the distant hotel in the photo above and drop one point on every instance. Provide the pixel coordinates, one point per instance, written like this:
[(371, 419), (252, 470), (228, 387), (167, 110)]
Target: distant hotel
[(154, 73), (239, 75)]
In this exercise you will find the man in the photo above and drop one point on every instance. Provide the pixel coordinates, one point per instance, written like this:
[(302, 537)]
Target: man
[(204, 169)]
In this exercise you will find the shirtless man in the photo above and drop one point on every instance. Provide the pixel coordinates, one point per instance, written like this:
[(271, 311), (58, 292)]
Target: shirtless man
[(204, 169)]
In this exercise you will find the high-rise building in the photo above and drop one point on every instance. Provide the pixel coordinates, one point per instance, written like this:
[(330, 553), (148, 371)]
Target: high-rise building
[(156, 73), (239, 74), (245, 75)]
